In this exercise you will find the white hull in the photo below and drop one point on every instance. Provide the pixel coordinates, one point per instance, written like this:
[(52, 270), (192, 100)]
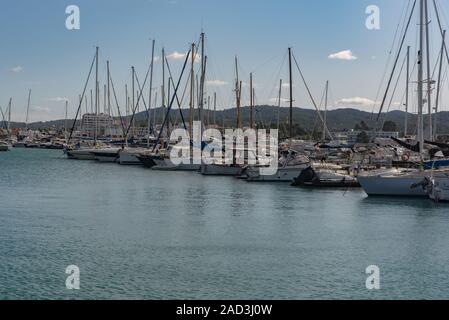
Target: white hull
[(286, 174), (218, 170), (393, 184)]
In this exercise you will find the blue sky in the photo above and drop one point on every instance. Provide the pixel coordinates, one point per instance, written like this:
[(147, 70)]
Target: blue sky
[(39, 53)]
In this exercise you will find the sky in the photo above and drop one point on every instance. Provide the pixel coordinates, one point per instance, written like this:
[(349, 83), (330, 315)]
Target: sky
[(329, 40)]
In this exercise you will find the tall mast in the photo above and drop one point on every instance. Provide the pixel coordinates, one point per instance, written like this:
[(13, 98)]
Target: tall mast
[(215, 107), (65, 120), (109, 88), (151, 90), (437, 101), (80, 104), (407, 92), (325, 111), (237, 92), (239, 118), (163, 86), (133, 101), (168, 102), (105, 99), (420, 80), (28, 109), (203, 66), (208, 111), (251, 105), (9, 116), (279, 104), (91, 102), (96, 96), (85, 103), (192, 90), (429, 82), (291, 92)]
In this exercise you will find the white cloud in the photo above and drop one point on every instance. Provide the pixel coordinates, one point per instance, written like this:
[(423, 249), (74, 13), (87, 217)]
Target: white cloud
[(287, 85), (17, 69), (41, 109), (343, 55), (276, 100), (176, 56), (216, 83), (59, 99), (356, 101)]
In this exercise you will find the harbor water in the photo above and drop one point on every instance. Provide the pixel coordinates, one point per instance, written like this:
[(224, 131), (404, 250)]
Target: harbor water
[(135, 233)]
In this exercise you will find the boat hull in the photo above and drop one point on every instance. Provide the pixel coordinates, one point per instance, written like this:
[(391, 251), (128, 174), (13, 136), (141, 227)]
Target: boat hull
[(127, 157), (286, 174), (392, 185), (146, 160), (81, 154), (106, 156), (217, 170)]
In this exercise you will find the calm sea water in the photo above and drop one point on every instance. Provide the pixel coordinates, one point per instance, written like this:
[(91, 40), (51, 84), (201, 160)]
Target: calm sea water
[(140, 234)]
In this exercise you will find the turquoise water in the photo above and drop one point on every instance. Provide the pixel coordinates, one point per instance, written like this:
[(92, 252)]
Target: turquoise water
[(141, 234)]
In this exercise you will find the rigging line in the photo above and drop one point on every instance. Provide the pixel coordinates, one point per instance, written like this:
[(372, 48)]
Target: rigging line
[(4, 120), (81, 100), (315, 123), (172, 101), (177, 99), (394, 91), (389, 59), (138, 99), (395, 63), (311, 98), (141, 90), (118, 107), (441, 27), (275, 86)]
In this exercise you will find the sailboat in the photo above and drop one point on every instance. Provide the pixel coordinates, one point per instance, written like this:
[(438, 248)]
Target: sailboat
[(403, 182), (5, 145), (291, 163), (82, 153)]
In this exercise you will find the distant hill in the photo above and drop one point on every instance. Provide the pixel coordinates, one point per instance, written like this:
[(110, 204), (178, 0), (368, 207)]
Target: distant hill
[(306, 119)]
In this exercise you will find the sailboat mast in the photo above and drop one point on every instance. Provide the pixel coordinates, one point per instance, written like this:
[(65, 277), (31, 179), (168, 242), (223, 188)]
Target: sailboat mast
[(429, 82), (279, 104), (28, 110), (108, 88), (192, 90), (237, 92), (151, 91), (437, 101), (407, 92), (9, 116), (325, 111), (215, 108), (133, 101), (251, 105), (65, 120), (420, 80), (203, 66), (291, 92), (163, 86), (96, 96)]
